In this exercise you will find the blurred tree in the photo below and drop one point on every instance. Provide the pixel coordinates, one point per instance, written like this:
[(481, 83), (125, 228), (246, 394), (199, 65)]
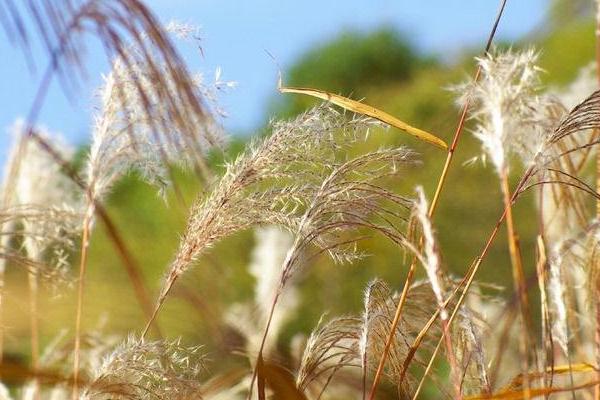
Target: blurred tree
[(351, 63), (563, 11)]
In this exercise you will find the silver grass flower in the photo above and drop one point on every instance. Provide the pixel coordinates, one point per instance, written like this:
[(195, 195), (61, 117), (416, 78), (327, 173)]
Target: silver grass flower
[(41, 185), (42, 205), (126, 137), (148, 370), (380, 307), (556, 290), (505, 98), (330, 347), (431, 259), (268, 255), (294, 179), (576, 266), (469, 342), (272, 244), (563, 206)]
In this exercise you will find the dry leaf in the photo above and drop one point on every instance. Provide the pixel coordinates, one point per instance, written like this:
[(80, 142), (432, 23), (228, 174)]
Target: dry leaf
[(361, 108)]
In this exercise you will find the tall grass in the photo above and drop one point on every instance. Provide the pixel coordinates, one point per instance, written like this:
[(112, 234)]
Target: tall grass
[(308, 192)]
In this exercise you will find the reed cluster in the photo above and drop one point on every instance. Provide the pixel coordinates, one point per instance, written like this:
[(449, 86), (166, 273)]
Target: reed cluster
[(307, 191)]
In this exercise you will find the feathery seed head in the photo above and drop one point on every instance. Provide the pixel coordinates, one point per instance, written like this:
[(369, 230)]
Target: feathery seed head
[(146, 370), (136, 128), (432, 259), (504, 99)]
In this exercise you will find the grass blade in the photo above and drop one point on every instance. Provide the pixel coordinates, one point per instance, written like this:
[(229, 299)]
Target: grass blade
[(365, 109)]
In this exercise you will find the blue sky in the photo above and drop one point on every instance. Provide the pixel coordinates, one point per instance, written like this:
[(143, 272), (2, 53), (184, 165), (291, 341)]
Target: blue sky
[(236, 35)]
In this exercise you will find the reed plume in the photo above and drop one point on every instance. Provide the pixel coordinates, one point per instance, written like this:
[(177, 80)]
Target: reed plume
[(136, 130), (276, 181), (43, 209)]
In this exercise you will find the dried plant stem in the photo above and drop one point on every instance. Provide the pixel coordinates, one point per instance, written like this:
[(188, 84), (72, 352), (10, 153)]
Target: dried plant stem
[(161, 299), (469, 277), (463, 116), (597, 132), (545, 311), (85, 241), (411, 271), (35, 332), (518, 278), (432, 208), (259, 358), (2, 272), (394, 326), (129, 263)]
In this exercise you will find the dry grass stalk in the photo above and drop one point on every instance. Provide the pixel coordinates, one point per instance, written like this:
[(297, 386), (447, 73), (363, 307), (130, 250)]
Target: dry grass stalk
[(432, 264), (261, 187), (43, 209), (434, 202), (126, 136), (506, 100), (330, 347), (583, 117), (597, 132)]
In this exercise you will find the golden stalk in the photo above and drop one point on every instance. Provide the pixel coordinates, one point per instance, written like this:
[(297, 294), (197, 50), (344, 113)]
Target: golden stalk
[(518, 278), (597, 133), (85, 241), (432, 208)]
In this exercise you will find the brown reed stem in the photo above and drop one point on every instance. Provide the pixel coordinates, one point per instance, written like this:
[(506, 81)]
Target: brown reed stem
[(161, 299), (35, 330), (519, 280), (469, 277), (597, 286), (2, 273), (85, 241), (7, 192), (259, 357), (432, 208)]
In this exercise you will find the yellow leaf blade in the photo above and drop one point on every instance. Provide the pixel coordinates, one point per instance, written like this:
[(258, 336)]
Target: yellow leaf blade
[(532, 393), (514, 392), (365, 109)]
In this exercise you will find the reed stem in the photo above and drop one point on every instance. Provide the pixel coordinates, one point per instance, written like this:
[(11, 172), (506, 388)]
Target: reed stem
[(518, 279), (85, 241), (432, 208), (35, 332)]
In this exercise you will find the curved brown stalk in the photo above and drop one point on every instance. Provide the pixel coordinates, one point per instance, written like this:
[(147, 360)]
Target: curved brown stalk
[(432, 208)]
